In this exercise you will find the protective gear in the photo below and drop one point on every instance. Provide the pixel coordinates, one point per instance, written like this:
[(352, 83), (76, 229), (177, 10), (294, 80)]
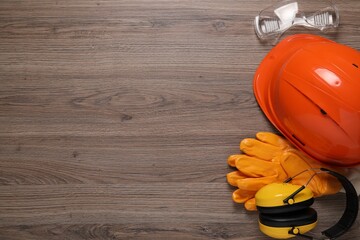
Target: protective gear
[(274, 20), (285, 209), (309, 88), (353, 174), (271, 159)]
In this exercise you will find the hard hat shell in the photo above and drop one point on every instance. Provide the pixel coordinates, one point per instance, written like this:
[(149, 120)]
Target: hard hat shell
[(309, 89)]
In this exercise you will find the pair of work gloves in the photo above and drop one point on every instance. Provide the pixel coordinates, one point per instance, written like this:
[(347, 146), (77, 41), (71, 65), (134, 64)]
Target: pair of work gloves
[(269, 159)]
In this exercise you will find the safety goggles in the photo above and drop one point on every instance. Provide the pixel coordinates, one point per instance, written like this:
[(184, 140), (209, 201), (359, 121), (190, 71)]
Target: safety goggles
[(273, 21)]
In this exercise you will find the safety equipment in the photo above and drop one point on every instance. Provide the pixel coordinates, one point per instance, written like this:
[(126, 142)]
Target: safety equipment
[(309, 89), (285, 212), (270, 159), (274, 20)]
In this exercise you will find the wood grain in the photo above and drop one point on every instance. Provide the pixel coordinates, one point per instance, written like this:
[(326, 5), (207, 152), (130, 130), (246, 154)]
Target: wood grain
[(117, 117)]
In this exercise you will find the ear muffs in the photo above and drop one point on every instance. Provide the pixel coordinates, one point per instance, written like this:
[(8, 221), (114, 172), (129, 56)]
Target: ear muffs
[(270, 198), (281, 219), (287, 225), (284, 209)]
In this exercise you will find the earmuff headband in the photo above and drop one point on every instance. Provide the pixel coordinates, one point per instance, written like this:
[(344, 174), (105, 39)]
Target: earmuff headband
[(351, 210)]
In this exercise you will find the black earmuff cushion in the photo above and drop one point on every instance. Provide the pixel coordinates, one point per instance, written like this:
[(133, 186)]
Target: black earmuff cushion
[(289, 219), (286, 208)]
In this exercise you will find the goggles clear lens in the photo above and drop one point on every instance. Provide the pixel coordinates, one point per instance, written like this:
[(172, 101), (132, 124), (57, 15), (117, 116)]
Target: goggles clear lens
[(273, 21)]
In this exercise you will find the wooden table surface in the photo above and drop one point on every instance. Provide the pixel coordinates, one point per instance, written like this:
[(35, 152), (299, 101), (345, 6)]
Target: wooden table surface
[(117, 117)]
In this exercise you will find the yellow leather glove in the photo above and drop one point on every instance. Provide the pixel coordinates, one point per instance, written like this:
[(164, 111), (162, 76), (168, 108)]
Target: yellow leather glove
[(270, 158)]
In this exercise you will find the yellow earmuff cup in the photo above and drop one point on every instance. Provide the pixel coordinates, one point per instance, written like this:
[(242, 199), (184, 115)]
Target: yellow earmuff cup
[(272, 195), (283, 232)]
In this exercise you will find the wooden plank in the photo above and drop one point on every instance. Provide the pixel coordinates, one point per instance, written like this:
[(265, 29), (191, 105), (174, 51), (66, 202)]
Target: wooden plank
[(117, 117)]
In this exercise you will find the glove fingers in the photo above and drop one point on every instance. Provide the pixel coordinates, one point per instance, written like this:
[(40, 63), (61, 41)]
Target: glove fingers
[(254, 167), (258, 149), (250, 205), (273, 139), (254, 184), (232, 159), (233, 177), (246, 197), (241, 196)]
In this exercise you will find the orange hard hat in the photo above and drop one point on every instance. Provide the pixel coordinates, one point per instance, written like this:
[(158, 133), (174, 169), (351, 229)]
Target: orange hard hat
[(309, 89)]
